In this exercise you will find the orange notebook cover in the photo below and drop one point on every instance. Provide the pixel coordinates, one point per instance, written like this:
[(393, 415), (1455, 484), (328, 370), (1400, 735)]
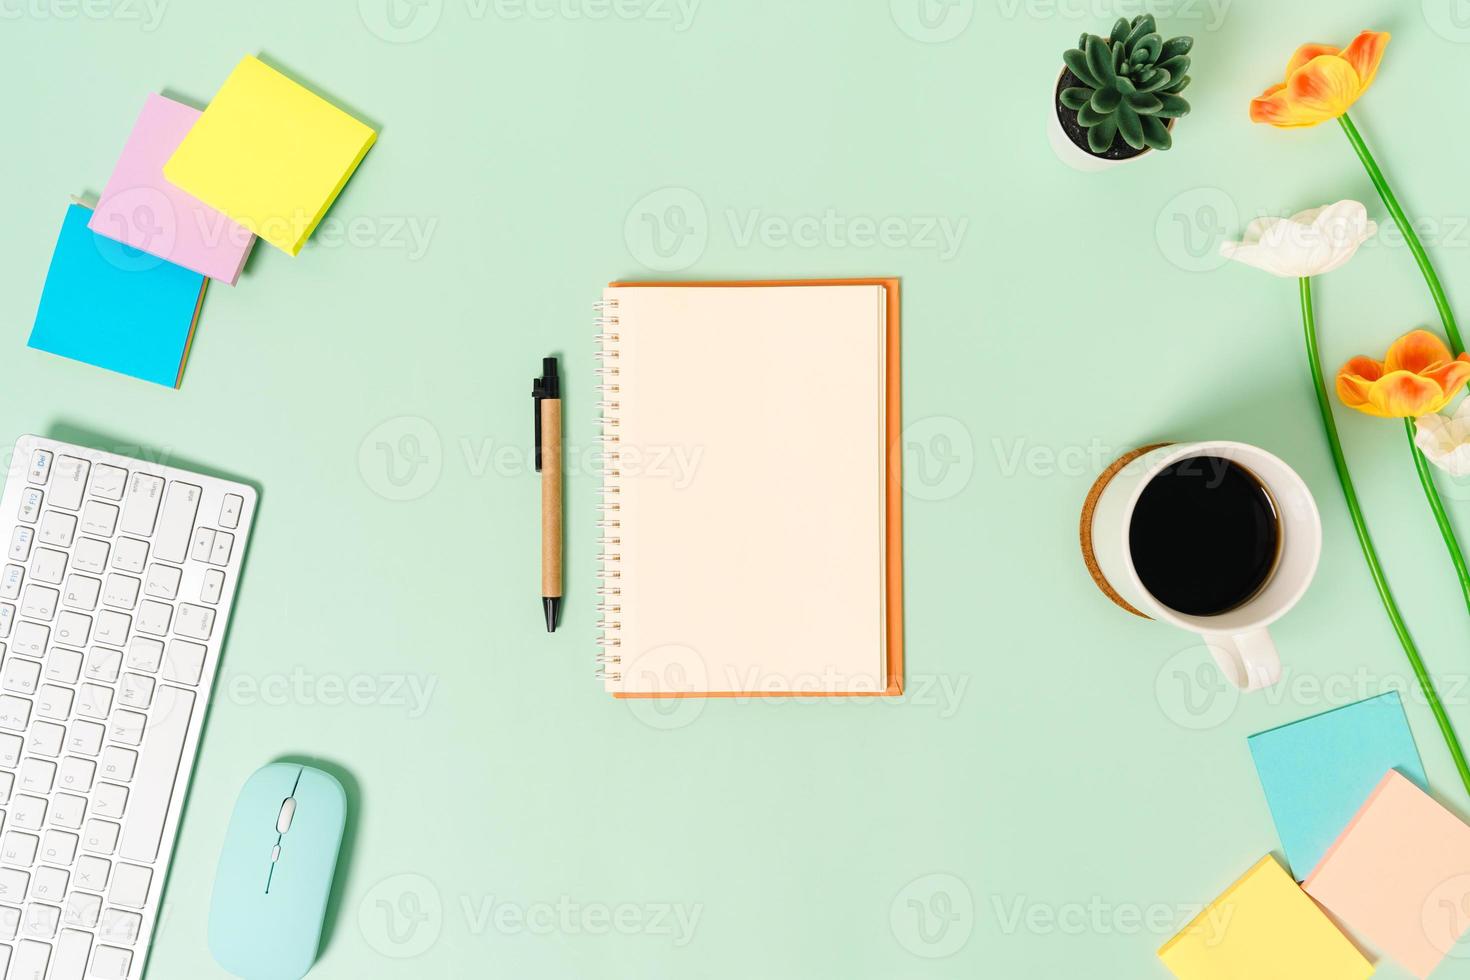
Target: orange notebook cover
[(752, 534)]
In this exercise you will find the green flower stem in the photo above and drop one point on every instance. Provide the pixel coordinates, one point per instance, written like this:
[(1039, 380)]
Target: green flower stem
[(1446, 315), (1446, 529), (1370, 554)]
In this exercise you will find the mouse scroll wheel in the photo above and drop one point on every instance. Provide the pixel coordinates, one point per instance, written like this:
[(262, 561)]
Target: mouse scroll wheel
[(288, 810)]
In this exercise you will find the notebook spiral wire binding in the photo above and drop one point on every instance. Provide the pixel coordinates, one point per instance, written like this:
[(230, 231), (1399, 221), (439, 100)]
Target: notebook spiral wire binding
[(609, 591)]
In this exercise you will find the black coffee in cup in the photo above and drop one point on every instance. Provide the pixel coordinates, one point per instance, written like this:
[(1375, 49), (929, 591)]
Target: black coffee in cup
[(1204, 536)]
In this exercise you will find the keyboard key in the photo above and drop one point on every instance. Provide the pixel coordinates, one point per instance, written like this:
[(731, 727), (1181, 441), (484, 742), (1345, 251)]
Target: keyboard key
[(110, 800), (63, 665), (112, 627), (135, 691), (49, 884), (45, 739), (9, 924), (176, 521), (59, 846), (73, 629), (203, 544), (163, 581), (49, 566), (83, 910), (7, 619), (194, 621), (15, 713), (213, 587), (57, 529), (69, 482), (21, 676), (40, 470), (229, 511), (121, 591), (110, 963), (75, 774), (68, 811), (99, 519), (11, 747), (20, 543), (94, 701), (128, 727), (92, 872), (30, 959), (31, 500), (37, 775), (30, 639), (82, 592), (154, 618), (143, 654), (100, 837), (120, 927), (39, 921), (140, 504), (13, 884), (224, 542), (54, 702), (153, 784), (90, 555), (27, 812), (19, 849), (108, 481), (7, 783), (85, 737), (184, 662), (11, 579), (129, 886), (119, 763), (39, 602), (71, 955), (131, 555), (104, 664)]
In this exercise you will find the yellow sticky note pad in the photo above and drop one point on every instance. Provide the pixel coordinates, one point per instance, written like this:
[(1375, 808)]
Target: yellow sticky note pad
[(1266, 928), (270, 154)]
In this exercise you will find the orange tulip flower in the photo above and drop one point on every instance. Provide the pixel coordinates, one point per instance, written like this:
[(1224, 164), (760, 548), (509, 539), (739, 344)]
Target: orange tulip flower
[(1321, 83), (1418, 376)]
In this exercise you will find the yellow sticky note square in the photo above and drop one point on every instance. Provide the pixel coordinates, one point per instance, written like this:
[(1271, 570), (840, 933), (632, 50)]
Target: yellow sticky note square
[(1266, 928), (270, 154)]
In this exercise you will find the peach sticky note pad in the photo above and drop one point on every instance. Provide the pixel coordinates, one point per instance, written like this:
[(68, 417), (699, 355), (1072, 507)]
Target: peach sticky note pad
[(139, 208), (269, 153), (1264, 927), (1399, 876)]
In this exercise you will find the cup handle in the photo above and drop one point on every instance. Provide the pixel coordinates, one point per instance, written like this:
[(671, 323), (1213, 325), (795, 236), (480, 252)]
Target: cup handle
[(1249, 660)]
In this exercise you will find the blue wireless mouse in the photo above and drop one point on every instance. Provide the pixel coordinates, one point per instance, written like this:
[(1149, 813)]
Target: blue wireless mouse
[(275, 872)]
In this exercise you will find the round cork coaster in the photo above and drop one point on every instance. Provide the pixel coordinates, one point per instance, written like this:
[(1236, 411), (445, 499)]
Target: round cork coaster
[(1089, 507)]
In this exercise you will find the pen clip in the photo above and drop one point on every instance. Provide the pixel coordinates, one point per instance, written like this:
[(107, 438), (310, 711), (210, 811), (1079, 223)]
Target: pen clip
[(537, 393), (546, 386)]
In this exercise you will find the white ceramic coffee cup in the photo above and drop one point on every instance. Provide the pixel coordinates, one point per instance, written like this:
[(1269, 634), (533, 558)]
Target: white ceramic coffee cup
[(1237, 638)]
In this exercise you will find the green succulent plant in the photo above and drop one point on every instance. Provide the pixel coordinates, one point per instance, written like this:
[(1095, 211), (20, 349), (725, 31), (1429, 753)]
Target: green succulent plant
[(1131, 82)]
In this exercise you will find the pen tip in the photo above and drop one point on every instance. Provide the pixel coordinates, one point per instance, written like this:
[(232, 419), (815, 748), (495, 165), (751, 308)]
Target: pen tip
[(552, 605)]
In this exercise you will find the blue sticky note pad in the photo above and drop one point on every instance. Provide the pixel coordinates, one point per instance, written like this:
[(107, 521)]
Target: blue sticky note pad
[(1318, 772), (113, 306)]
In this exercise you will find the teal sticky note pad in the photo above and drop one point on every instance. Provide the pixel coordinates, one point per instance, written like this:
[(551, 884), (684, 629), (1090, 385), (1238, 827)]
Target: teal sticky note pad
[(1318, 772), (115, 307)]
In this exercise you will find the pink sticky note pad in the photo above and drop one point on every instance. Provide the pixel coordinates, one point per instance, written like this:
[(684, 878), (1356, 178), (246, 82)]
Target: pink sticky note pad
[(142, 209), (1399, 876)]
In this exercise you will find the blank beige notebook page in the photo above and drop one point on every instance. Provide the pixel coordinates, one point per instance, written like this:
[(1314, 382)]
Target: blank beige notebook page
[(744, 551)]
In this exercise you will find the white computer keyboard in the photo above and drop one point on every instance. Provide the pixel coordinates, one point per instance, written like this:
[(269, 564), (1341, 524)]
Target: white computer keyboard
[(115, 589)]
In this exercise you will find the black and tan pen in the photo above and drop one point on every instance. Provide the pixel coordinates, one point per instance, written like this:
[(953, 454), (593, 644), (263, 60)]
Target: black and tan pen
[(546, 392)]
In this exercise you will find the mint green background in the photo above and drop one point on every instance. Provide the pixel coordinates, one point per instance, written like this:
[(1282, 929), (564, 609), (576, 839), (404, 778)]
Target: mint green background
[(1053, 757)]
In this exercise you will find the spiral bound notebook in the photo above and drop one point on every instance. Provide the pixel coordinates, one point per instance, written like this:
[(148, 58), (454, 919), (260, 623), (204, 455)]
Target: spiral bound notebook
[(751, 531)]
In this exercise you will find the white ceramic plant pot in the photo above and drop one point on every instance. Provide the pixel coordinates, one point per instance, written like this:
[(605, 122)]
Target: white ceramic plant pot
[(1070, 153)]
